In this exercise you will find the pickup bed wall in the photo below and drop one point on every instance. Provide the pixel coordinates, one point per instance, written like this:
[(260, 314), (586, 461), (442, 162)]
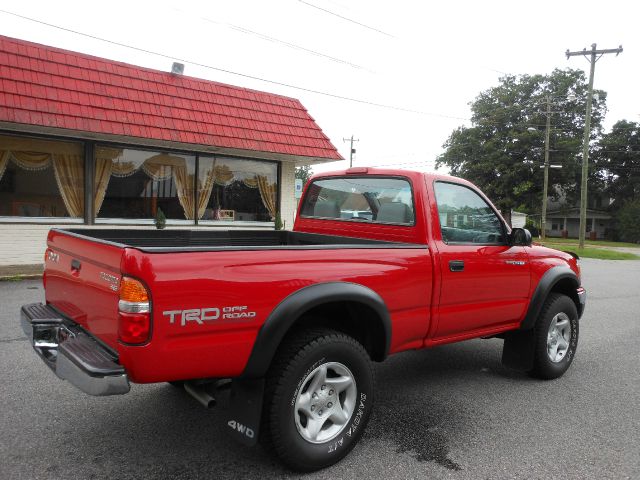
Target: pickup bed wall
[(192, 240)]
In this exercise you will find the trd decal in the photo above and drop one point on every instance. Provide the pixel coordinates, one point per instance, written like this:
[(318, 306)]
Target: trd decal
[(201, 315)]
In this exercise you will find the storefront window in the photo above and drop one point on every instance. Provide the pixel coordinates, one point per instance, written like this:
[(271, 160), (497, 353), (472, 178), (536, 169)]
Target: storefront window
[(41, 178), (237, 189), (45, 178), (134, 184)]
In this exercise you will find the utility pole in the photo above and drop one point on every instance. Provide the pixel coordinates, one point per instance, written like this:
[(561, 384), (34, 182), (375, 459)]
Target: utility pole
[(545, 187), (593, 58), (351, 149)]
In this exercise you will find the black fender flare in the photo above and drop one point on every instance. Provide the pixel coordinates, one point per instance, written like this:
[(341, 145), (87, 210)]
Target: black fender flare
[(546, 284), (295, 305)]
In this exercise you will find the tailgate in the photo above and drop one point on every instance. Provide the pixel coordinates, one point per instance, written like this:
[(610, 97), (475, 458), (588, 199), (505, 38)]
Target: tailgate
[(82, 279)]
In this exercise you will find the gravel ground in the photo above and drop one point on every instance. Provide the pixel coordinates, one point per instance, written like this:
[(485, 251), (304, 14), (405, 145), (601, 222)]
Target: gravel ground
[(452, 412)]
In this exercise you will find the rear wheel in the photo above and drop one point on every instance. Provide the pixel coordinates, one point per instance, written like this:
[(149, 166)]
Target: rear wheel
[(319, 398), (555, 337)]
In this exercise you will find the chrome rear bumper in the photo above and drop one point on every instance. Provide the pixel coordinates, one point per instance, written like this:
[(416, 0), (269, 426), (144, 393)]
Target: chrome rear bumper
[(72, 353)]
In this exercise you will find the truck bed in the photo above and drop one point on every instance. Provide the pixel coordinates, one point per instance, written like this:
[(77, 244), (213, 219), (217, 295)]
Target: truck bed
[(249, 271), (166, 241)]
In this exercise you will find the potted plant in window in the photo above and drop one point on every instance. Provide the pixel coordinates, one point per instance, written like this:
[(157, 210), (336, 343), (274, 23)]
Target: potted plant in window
[(161, 219), (277, 223)]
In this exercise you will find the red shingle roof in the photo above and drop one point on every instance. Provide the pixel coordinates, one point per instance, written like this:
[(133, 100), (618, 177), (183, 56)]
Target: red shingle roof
[(50, 87)]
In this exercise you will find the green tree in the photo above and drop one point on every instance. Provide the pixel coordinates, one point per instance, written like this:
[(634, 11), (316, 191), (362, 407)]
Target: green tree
[(618, 158), (503, 150), (304, 173), (628, 221)]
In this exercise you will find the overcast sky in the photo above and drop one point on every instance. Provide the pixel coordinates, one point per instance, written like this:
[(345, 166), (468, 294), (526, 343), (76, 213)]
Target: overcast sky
[(432, 58)]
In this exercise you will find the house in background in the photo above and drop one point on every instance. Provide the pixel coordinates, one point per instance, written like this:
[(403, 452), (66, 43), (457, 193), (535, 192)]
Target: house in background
[(566, 223), (89, 141), (563, 218)]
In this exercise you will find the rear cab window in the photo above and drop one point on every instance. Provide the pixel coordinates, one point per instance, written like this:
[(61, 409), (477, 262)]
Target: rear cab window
[(369, 199)]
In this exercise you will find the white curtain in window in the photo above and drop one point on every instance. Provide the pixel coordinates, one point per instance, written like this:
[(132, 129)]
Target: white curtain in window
[(161, 167), (105, 166), (4, 161), (268, 192), (32, 161), (69, 172), (34, 154), (164, 166), (68, 169), (223, 175), (205, 186)]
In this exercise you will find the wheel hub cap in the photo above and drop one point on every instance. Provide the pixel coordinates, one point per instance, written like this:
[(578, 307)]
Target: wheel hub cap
[(558, 337), (325, 402)]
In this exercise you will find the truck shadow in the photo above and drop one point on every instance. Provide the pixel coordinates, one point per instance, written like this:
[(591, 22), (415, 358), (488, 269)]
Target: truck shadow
[(416, 407), (159, 431)]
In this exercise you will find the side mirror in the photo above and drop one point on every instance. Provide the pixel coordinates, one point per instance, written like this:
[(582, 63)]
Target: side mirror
[(520, 237)]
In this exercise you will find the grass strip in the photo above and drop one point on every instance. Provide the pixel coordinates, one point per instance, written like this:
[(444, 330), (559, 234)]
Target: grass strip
[(588, 252)]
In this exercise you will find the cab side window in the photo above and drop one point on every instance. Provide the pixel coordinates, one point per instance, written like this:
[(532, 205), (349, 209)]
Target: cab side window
[(465, 217)]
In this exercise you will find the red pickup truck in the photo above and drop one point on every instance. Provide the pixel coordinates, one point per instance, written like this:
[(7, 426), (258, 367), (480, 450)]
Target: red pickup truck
[(379, 262)]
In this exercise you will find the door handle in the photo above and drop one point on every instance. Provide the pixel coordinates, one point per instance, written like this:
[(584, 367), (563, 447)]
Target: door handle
[(75, 264), (456, 265)]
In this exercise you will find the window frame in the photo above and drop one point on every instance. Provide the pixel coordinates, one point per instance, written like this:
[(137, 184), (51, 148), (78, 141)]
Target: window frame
[(360, 222), (240, 223), (181, 222), (97, 220), (503, 227), (9, 219), (89, 146)]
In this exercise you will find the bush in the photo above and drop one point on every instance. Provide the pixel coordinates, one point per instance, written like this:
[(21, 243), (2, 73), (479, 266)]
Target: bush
[(535, 231), (628, 222), (277, 224)]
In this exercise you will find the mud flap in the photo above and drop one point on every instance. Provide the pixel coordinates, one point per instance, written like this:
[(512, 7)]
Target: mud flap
[(519, 350), (245, 410)]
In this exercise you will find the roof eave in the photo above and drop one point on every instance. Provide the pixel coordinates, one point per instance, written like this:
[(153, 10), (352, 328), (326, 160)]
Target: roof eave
[(154, 143)]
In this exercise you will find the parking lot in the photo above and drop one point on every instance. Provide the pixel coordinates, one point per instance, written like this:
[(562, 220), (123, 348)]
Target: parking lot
[(451, 412)]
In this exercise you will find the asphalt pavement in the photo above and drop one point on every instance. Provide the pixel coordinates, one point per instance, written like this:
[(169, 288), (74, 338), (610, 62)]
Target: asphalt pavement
[(452, 412)]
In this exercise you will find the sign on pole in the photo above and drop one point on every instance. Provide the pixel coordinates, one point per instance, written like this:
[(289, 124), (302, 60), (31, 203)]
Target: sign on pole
[(298, 187)]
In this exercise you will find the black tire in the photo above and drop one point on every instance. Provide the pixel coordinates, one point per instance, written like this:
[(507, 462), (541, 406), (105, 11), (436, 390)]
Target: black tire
[(557, 306), (177, 384), (298, 358)]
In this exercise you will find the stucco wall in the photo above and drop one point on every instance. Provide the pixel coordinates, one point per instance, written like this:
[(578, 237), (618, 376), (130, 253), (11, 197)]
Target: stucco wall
[(287, 201)]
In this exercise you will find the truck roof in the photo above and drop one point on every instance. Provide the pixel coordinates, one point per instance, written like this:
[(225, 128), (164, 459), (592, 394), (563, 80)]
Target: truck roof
[(411, 174)]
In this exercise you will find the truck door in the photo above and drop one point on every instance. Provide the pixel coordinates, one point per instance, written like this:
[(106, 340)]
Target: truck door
[(485, 282)]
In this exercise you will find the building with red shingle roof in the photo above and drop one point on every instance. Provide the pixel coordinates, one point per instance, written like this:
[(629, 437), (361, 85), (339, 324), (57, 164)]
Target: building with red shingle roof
[(86, 140)]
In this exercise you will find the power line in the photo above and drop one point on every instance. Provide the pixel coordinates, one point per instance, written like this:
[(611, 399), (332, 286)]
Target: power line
[(275, 82), (587, 132), (244, 75), (423, 162), (268, 38), (347, 19)]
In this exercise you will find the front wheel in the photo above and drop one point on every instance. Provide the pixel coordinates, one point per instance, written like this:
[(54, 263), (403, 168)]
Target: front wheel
[(319, 398), (555, 337)]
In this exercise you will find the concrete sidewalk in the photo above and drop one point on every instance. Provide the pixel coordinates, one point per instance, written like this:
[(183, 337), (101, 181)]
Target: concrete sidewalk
[(16, 272)]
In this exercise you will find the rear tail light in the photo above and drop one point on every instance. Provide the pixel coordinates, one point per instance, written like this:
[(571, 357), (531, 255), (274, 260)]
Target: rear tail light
[(134, 312)]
